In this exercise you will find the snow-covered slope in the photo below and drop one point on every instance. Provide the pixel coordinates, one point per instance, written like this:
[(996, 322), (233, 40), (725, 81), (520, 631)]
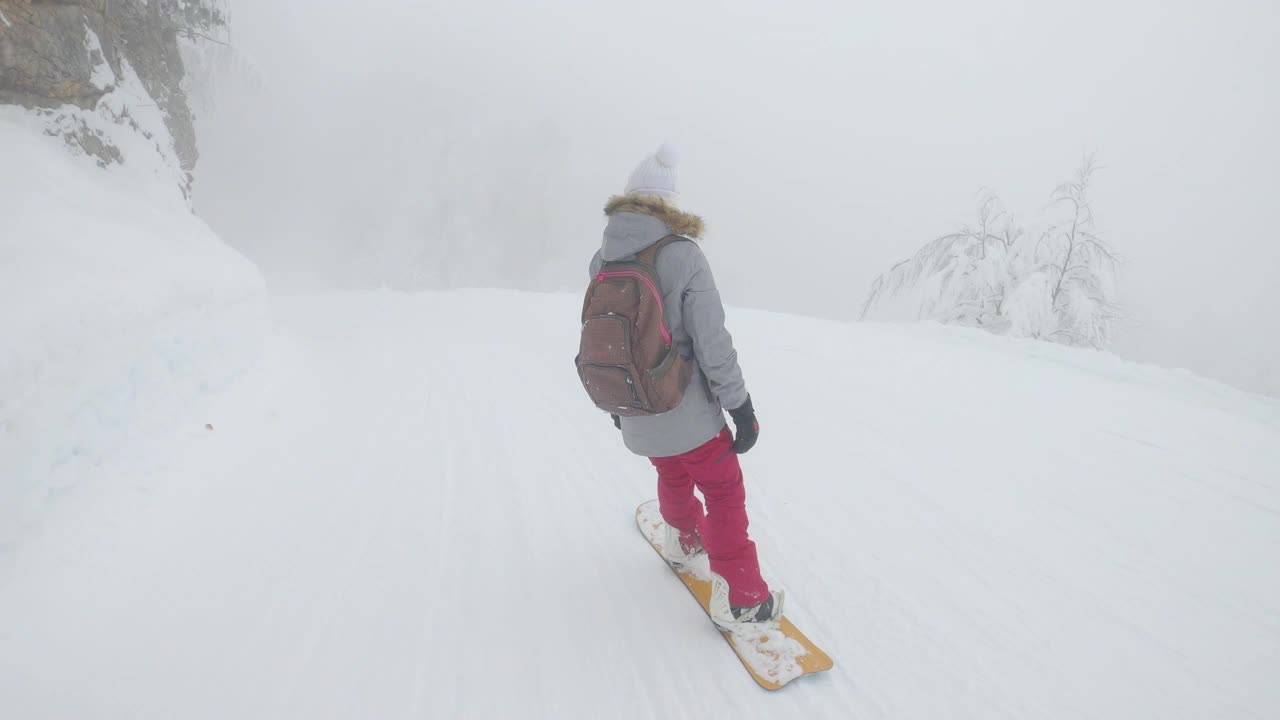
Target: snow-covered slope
[(118, 307), (405, 513)]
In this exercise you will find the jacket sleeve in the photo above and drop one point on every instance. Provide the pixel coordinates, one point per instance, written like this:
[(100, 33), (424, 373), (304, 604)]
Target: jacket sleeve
[(704, 321)]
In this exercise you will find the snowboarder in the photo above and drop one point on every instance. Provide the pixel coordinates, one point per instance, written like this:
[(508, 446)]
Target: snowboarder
[(687, 439)]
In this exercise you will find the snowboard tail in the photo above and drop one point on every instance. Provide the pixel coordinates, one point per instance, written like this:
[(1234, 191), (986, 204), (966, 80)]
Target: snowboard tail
[(773, 655)]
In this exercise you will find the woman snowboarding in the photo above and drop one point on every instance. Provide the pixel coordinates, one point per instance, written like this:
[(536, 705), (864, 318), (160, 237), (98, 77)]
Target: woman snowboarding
[(656, 354)]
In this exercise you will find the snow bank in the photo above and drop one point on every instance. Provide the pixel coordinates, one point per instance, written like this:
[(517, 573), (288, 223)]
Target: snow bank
[(118, 307)]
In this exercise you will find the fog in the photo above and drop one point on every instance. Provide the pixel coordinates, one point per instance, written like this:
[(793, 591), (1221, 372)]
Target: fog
[(411, 145)]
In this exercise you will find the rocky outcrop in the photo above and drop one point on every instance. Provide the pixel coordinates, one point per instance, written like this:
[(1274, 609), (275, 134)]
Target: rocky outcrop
[(55, 53)]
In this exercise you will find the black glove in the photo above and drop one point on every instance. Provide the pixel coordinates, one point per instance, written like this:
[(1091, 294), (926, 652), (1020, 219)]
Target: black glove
[(744, 418), (617, 421)]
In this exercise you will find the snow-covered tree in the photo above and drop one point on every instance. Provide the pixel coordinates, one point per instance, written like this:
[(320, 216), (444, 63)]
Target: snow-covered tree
[(1060, 288), (961, 278), (1081, 267), (208, 19), (211, 61)]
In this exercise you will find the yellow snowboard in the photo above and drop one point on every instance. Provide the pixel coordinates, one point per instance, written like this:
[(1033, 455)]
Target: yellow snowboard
[(773, 656)]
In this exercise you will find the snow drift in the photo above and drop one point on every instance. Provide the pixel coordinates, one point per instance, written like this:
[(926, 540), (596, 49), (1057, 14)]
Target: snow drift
[(119, 309)]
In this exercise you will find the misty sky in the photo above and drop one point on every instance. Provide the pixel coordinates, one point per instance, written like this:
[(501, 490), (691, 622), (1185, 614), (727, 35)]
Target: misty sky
[(821, 142)]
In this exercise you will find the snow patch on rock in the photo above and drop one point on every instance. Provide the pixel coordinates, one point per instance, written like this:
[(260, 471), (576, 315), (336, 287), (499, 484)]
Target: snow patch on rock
[(103, 76)]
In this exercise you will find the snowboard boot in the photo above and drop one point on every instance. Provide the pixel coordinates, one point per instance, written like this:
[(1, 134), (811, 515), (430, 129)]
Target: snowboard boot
[(680, 546), (766, 613)]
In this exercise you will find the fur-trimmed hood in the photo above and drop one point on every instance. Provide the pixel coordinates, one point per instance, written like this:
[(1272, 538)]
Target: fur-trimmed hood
[(678, 221)]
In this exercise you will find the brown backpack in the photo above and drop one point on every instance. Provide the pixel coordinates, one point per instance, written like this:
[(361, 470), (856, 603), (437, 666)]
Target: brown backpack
[(626, 359)]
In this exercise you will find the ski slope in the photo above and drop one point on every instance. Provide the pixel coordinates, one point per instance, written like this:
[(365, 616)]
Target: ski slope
[(392, 517)]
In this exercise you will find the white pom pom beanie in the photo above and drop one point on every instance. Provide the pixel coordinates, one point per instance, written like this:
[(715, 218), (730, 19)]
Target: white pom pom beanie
[(656, 175)]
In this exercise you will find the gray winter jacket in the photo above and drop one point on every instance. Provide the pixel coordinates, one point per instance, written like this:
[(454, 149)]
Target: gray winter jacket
[(693, 314)]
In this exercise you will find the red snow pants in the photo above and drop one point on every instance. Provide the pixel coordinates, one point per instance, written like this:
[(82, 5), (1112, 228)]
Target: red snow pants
[(714, 470)]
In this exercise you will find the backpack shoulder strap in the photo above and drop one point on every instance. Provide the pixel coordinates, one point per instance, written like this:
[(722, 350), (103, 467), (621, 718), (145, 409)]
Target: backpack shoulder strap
[(649, 255)]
